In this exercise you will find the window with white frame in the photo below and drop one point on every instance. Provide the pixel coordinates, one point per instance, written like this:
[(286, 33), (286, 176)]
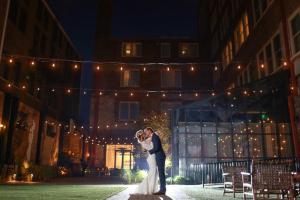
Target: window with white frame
[(259, 8), (270, 56), (171, 78), (130, 78), (188, 49), (129, 111), (241, 32), (295, 26), (165, 50), (131, 49)]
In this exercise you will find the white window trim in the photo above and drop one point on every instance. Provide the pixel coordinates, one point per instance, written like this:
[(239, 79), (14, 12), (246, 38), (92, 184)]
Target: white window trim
[(294, 54), (122, 79), (263, 49), (128, 102), (161, 78)]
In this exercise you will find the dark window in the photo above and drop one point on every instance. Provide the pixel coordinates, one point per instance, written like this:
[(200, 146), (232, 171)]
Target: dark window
[(13, 11), (165, 50), (128, 111), (23, 20), (269, 57), (296, 32), (39, 10), (277, 50)]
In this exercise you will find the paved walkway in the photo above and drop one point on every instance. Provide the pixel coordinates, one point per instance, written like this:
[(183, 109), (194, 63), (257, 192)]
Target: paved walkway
[(174, 192)]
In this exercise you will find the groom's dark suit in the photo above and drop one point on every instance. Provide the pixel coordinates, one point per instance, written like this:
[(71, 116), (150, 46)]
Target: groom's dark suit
[(160, 157)]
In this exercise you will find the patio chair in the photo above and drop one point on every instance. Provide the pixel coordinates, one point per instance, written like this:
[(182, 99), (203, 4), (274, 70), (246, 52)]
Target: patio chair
[(266, 180), (232, 179)]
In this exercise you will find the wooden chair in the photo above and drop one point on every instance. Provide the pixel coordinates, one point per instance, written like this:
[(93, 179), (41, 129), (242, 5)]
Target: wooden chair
[(232, 179), (267, 179)]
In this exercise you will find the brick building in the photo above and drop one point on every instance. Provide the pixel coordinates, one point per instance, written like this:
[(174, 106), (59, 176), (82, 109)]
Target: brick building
[(253, 40), (130, 88), (33, 105)]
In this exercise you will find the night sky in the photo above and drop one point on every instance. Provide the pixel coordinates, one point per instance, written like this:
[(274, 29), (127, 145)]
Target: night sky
[(132, 18)]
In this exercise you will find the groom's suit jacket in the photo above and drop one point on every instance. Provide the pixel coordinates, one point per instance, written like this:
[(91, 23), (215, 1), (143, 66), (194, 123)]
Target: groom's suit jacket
[(157, 148)]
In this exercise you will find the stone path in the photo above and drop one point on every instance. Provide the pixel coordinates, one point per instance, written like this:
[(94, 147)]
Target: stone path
[(174, 192)]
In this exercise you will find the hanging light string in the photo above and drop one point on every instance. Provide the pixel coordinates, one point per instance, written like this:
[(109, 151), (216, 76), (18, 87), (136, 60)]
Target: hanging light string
[(99, 65)]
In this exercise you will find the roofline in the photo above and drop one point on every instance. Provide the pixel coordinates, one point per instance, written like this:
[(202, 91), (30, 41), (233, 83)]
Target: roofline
[(60, 26)]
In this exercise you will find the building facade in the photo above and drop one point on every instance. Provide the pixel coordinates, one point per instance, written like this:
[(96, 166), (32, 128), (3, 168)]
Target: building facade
[(254, 108), (34, 104), (136, 77)]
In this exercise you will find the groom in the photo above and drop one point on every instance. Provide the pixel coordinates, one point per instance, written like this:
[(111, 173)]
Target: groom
[(160, 159)]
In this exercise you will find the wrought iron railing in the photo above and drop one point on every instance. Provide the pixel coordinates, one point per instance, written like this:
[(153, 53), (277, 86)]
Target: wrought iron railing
[(211, 173)]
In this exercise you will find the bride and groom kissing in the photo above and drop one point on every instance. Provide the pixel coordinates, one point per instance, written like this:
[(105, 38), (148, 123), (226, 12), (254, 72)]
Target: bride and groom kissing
[(151, 143)]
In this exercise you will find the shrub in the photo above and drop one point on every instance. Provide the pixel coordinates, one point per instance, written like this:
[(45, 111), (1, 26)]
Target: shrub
[(42, 173), (134, 177), (181, 180), (139, 176)]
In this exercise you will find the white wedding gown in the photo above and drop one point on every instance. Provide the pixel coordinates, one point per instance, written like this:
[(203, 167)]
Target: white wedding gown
[(150, 184)]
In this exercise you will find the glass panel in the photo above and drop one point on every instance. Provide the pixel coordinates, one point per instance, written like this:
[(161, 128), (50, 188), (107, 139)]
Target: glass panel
[(285, 145), (271, 146), (194, 145), (134, 111), (224, 128), (209, 127), (255, 146), (240, 146), (209, 145), (224, 146)]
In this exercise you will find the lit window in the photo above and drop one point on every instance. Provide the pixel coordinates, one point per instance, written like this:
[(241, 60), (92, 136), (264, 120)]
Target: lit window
[(131, 49), (116, 154), (129, 111), (165, 50), (295, 24), (130, 78), (227, 55), (188, 49), (241, 32), (171, 79)]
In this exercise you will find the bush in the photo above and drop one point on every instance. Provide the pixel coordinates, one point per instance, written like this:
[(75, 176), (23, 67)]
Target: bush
[(134, 177), (178, 180)]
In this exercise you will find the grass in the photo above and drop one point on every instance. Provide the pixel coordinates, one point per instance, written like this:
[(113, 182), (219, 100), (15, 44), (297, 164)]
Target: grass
[(56, 192), (210, 193)]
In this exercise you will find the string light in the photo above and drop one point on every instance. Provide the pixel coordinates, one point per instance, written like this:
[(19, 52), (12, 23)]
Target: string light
[(23, 87), (121, 68), (53, 65), (196, 94), (163, 95), (10, 60), (69, 91), (32, 63), (75, 66), (144, 69), (213, 94), (147, 95), (9, 85), (239, 67), (192, 68), (98, 67), (180, 94), (216, 68), (131, 94), (100, 93), (116, 94), (262, 66), (285, 63), (168, 69)]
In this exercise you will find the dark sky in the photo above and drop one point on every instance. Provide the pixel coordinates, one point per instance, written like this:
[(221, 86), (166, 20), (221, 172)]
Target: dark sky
[(132, 18)]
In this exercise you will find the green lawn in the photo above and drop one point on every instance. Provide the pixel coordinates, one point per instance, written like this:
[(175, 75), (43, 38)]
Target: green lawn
[(65, 192), (210, 194)]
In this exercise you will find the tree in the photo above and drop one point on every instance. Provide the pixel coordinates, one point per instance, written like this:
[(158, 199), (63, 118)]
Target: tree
[(160, 123)]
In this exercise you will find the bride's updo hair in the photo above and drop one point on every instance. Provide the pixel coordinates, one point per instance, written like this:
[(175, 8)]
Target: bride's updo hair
[(140, 135)]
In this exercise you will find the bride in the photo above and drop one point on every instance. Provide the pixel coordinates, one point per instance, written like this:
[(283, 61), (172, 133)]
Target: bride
[(150, 184)]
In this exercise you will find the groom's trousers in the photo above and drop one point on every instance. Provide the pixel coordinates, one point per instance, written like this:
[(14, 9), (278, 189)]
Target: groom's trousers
[(161, 172)]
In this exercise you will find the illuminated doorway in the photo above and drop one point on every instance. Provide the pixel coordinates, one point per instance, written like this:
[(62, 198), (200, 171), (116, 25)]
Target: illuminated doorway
[(119, 156)]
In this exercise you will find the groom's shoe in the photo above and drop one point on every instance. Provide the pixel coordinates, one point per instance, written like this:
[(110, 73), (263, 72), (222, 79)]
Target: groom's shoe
[(160, 193)]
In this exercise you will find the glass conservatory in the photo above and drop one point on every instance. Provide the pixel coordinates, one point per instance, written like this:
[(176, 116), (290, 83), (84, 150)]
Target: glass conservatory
[(241, 124)]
